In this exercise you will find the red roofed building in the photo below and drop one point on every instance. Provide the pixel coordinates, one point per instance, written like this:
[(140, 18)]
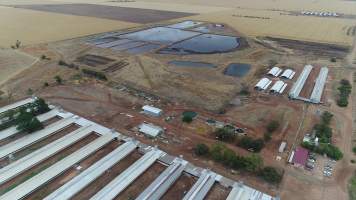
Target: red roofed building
[(300, 157)]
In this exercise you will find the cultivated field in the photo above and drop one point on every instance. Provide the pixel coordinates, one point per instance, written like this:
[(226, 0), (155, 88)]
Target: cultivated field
[(13, 62), (33, 27)]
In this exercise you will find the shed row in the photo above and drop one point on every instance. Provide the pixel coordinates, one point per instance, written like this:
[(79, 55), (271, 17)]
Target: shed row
[(263, 84), (276, 71), (278, 87)]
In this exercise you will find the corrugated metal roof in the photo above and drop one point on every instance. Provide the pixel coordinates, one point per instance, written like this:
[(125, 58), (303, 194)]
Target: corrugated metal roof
[(319, 85), (298, 85), (275, 71), (152, 109), (288, 73), (150, 129), (263, 84), (278, 87), (300, 156)]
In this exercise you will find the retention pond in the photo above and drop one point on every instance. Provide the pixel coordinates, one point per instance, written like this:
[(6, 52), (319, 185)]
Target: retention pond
[(237, 69)]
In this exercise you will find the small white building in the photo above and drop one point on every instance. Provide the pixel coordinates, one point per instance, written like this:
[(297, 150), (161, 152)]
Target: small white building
[(282, 147), (288, 74), (278, 87), (275, 71), (263, 84), (153, 111), (150, 130)]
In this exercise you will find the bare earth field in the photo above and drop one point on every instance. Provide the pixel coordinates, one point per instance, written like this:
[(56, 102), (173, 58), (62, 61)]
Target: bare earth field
[(134, 15)]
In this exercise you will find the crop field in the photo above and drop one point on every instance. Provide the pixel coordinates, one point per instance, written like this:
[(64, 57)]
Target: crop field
[(34, 27), (12, 62)]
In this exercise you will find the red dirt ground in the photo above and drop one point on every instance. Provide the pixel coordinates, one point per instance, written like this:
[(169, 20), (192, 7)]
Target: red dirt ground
[(140, 184), (108, 176), (180, 187)]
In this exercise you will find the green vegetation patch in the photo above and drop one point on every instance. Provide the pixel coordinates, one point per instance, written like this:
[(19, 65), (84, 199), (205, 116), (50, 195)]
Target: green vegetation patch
[(324, 132), (352, 187), (344, 93), (251, 164)]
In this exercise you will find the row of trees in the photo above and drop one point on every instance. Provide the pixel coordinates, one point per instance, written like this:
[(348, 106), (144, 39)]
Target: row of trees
[(344, 93), (251, 164), (228, 134), (324, 132), (24, 117)]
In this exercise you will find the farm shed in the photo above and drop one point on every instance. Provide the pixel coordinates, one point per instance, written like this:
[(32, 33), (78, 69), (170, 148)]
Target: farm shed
[(298, 85), (263, 84), (278, 87), (300, 157), (319, 85), (282, 147), (153, 111), (150, 130), (275, 71), (288, 74)]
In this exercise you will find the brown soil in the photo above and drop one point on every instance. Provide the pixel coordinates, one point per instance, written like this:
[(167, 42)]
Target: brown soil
[(217, 192), (46, 163), (135, 15), (310, 83), (180, 187), (71, 172), (39, 144), (140, 184), (108, 176)]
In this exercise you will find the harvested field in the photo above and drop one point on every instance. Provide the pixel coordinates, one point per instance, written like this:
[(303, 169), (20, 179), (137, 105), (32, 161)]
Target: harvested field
[(45, 164), (140, 184), (69, 174), (180, 187), (109, 175), (134, 15), (217, 192), (13, 62), (314, 48), (94, 60), (262, 22), (33, 27)]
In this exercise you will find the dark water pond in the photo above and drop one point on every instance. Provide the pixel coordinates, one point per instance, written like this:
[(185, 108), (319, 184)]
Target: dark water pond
[(237, 69), (204, 44), (179, 63)]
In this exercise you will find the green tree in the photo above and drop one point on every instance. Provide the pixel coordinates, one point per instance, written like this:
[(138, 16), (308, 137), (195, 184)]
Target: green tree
[(187, 119), (253, 163), (225, 134), (326, 117), (216, 151), (201, 149), (41, 106), (26, 122), (228, 157), (270, 175), (251, 144), (272, 126), (58, 79)]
